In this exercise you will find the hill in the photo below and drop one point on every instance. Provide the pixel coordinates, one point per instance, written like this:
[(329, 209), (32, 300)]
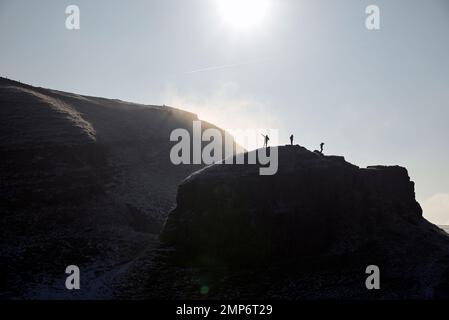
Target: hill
[(85, 181)]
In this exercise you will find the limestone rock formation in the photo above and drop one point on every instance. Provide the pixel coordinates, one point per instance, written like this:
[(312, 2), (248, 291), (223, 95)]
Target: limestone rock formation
[(316, 211)]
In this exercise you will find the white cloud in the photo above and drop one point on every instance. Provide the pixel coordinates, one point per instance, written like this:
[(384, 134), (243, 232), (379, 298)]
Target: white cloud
[(436, 208)]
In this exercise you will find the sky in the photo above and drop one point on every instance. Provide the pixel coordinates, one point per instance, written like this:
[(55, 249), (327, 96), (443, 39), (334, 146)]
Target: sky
[(310, 68)]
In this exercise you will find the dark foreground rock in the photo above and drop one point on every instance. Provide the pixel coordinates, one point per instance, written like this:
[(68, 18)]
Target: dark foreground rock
[(307, 232)]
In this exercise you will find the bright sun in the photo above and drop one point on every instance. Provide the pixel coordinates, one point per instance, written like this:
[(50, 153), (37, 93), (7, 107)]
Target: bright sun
[(243, 14)]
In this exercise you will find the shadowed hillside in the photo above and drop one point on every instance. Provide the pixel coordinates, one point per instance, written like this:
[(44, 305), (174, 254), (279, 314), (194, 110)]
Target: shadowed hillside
[(85, 181)]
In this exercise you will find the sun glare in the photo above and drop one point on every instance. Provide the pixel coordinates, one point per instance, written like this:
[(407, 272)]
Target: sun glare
[(243, 14)]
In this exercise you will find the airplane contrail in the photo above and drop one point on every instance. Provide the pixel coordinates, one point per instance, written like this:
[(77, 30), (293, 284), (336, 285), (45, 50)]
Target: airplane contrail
[(232, 65)]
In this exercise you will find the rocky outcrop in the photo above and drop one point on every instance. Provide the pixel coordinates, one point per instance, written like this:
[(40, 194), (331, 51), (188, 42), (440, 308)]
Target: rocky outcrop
[(316, 210)]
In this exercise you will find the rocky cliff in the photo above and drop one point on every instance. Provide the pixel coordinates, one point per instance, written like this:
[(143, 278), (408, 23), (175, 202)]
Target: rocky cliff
[(318, 222)]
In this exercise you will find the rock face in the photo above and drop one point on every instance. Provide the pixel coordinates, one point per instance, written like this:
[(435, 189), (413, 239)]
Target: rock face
[(316, 208), (310, 206), (85, 181)]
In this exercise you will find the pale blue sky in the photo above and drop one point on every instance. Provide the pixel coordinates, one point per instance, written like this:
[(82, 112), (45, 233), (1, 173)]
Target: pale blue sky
[(309, 67)]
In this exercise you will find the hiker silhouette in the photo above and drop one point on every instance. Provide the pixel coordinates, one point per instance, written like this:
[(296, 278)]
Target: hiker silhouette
[(291, 139), (266, 139), (321, 147)]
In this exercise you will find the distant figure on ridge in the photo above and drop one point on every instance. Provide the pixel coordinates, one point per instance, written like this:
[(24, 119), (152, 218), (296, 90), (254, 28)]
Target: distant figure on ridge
[(291, 139), (321, 147), (266, 139)]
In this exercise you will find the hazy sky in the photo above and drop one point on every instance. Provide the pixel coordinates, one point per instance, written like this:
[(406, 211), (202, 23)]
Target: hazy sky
[(305, 67)]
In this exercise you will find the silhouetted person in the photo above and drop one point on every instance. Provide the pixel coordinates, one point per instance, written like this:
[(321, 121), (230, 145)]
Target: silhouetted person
[(321, 147), (266, 139), (291, 139)]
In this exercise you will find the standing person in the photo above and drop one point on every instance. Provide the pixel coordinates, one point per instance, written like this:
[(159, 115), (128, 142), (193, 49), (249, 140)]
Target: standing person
[(266, 139), (291, 139), (321, 147)]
